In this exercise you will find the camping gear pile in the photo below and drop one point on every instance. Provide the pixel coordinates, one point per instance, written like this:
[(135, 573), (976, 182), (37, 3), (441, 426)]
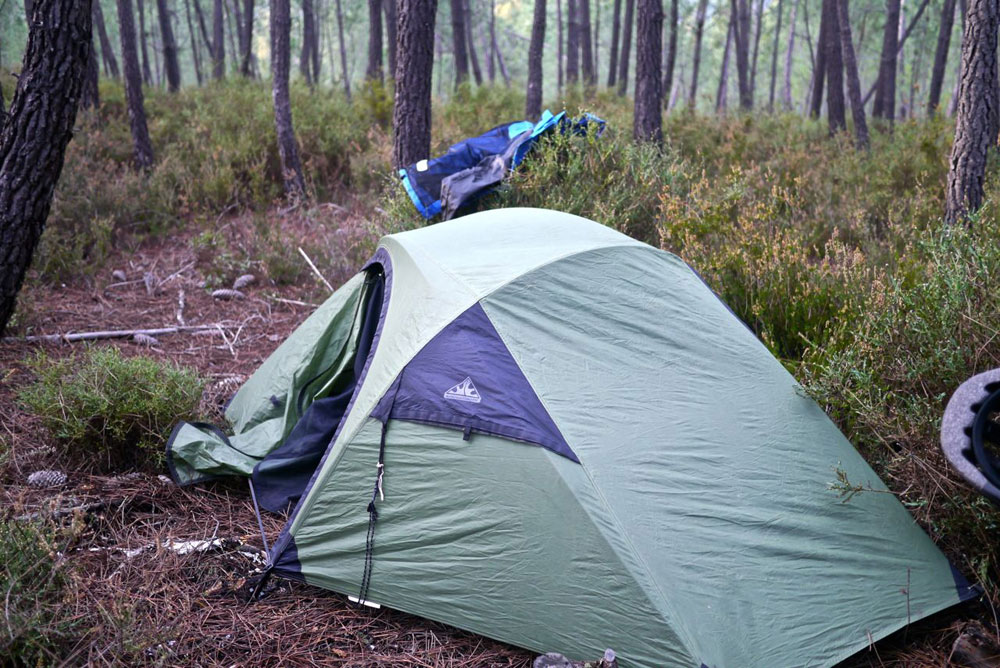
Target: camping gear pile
[(529, 426), (473, 167)]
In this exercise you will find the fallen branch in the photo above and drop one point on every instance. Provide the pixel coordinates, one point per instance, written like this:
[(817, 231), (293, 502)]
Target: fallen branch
[(107, 334), (62, 512), (315, 270)]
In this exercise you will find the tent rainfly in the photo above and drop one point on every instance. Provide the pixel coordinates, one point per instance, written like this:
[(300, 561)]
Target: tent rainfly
[(527, 425)]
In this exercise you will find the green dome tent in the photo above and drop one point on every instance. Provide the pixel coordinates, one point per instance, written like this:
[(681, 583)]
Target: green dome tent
[(525, 424)]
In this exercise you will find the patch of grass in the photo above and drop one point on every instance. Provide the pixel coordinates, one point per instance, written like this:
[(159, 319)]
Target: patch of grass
[(110, 411), (35, 628)]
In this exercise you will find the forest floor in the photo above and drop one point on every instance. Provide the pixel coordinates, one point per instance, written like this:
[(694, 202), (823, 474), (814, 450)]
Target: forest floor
[(162, 575)]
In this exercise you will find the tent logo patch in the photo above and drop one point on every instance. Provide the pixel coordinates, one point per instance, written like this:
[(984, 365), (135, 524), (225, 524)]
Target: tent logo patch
[(464, 391)]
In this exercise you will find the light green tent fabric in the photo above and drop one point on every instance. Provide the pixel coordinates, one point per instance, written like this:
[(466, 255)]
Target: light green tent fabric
[(697, 527)]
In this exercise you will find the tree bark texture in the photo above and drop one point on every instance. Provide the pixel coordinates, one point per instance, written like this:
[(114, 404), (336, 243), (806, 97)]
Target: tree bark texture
[(308, 42), (374, 70), (90, 96), (586, 43), (533, 99), (835, 112), (458, 42), (218, 42), (941, 55), (774, 58), (851, 70), (288, 148), (477, 72), (572, 42), (786, 96), (885, 88), (171, 63), (246, 58), (756, 49), (147, 75), (626, 47), (648, 119), (415, 54), (741, 37), (35, 133), (721, 94), (699, 32), (195, 51), (389, 10), (142, 148), (343, 51), (975, 134), (819, 71)]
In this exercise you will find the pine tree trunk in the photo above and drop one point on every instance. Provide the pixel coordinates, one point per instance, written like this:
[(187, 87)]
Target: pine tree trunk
[(90, 95), (787, 91), (941, 55), (774, 59), (648, 123), (458, 42), (501, 63), (699, 32), (34, 135), (586, 43), (722, 93), (820, 70), (974, 133), (596, 14), (626, 47), (107, 51), (157, 48), (305, 54), (533, 103), (491, 64), (477, 72), (195, 51), (885, 90), (288, 148), (374, 70), (170, 60), (218, 43), (853, 81), (836, 114), (415, 53), (756, 50), (142, 148), (671, 57), (741, 37), (389, 9), (246, 58), (616, 25), (572, 42), (560, 48), (953, 104), (147, 77), (343, 51)]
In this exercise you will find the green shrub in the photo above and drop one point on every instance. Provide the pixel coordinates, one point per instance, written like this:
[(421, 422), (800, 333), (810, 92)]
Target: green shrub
[(35, 628), (111, 411)]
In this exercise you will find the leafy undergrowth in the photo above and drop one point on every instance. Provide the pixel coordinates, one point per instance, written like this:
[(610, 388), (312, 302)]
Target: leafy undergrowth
[(838, 260)]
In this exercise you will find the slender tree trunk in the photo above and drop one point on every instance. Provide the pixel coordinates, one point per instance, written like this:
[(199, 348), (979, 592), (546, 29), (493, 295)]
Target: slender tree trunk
[(195, 51), (820, 70), (953, 104), (853, 82), (835, 112), (142, 148), (741, 37), (975, 134), (246, 59), (147, 76), (572, 42), (343, 51), (374, 70), (389, 10), (671, 57), (90, 96), (616, 25), (305, 54), (885, 87), (699, 31), (756, 49), (533, 103), (415, 53), (560, 62), (597, 39), (107, 51), (491, 63), (288, 148), (170, 60), (586, 43), (34, 135), (941, 55), (504, 72), (787, 92), (648, 116), (459, 41), (626, 47), (218, 41), (157, 48), (774, 59), (722, 94), (477, 72)]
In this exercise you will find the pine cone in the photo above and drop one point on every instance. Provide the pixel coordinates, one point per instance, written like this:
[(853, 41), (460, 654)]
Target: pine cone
[(243, 281), (44, 479), (228, 294)]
